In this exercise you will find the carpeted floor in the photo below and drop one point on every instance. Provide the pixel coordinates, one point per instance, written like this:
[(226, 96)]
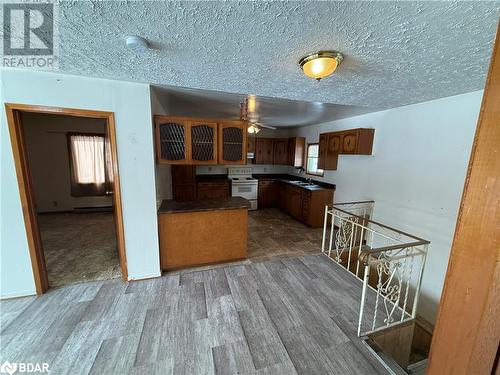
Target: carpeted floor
[(79, 247)]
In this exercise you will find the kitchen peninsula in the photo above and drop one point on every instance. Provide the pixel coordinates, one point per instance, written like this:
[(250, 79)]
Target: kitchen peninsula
[(202, 232)]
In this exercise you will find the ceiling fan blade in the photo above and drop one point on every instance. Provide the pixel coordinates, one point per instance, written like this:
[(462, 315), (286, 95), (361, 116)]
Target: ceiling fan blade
[(265, 126)]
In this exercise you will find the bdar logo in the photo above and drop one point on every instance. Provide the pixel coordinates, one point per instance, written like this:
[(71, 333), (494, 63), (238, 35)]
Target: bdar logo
[(8, 368)]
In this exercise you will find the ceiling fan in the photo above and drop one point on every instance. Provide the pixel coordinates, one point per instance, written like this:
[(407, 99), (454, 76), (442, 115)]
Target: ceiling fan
[(253, 126)]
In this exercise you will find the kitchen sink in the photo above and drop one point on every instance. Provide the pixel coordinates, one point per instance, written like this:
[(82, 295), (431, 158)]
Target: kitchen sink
[(303, 183)]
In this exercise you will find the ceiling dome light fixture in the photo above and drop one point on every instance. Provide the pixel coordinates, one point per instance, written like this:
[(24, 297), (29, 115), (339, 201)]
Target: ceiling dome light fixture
[(320, 64)]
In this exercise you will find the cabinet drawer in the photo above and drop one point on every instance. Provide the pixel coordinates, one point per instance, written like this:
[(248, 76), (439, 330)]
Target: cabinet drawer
[(265, 182), (213, 184)]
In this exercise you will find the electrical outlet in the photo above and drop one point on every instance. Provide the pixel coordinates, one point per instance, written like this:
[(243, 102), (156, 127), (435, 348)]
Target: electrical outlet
[(265, 169)]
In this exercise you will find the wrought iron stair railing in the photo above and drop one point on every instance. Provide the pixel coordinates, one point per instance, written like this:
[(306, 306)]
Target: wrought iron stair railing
[(388, 262)]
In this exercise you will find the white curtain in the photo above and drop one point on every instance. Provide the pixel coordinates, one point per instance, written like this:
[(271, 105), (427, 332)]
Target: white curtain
[(88, 159)]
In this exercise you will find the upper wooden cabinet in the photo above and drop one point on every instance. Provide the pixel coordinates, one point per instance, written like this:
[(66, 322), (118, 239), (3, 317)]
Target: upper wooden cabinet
[(285, 151), (233, 142), (280, 155), (353, 141), (173, 140), (183, 140), (264, 151), (203, 142), (296, 151), (323, 145), (334, 142)]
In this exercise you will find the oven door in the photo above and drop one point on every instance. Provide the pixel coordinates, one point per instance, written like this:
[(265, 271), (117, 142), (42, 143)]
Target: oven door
[(247, 191)]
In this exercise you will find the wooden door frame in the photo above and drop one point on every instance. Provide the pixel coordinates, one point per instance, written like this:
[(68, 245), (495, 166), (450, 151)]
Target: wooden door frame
[(467, 331), (17, 138)]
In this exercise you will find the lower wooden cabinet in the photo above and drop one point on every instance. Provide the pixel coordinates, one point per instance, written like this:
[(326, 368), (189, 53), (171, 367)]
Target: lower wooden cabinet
[(267, 193), (305, 205), (184, 182), (212, 189)]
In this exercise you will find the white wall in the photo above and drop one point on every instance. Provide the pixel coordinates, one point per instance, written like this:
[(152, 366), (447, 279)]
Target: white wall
[(131, 105), (47, 147), (415, 175)]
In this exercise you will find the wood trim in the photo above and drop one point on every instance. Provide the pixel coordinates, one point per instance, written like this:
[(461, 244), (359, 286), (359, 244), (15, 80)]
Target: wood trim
[(27, 200), (468, 326), (28, 203)]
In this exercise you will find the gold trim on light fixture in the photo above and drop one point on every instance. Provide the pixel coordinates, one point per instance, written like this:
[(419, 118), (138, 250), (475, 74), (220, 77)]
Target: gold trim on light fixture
[(320, 64)]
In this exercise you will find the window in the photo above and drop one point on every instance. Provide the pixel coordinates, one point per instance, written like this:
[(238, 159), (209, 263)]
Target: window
[(312, 160), (87, 164)]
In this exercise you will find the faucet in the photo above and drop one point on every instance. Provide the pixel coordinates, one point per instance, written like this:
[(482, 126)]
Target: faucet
[(309, 180)]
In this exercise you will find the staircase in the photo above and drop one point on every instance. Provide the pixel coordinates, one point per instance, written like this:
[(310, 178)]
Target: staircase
[(389, 263)]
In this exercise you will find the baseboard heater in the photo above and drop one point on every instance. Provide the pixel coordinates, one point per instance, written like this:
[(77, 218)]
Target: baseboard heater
[(93, 209)]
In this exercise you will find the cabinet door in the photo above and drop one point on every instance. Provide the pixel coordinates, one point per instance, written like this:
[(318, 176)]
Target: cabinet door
[(280, 151), (203, 142), (294, 201), (264, 152), (172, 140), (233, 142), (334, 142), (349, 142), (295, 152), (323, 139)]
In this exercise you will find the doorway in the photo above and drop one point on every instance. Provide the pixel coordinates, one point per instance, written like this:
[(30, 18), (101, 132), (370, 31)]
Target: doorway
[(67, 172)]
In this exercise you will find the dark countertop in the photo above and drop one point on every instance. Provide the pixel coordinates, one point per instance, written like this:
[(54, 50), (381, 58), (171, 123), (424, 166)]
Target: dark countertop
[(288, 177), (211, 177), (230, 203)]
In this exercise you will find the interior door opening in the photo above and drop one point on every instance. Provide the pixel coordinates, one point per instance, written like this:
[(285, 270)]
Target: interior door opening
[(68, 179)]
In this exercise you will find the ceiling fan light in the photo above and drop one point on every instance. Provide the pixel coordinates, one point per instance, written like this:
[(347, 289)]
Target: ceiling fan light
[(320, 64)]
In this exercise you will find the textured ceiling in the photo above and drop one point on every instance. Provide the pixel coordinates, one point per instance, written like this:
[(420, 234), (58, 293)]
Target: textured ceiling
[(396, 52)]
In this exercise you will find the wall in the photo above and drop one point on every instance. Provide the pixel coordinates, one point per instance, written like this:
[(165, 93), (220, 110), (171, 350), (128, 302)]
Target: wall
[(415, 175), (131, 105), (50, 171)]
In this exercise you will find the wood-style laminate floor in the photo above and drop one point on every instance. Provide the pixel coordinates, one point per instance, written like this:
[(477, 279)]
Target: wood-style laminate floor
[(295, 315)]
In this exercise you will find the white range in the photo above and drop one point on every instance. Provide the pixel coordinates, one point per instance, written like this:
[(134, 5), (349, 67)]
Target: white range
[(243, 184)]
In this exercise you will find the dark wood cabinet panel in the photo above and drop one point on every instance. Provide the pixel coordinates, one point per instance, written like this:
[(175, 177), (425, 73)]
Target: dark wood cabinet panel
[(323, 144), (212, 190), (280, 147), (296, 151), (294, 201), (267, 193), (349, 142), (184, 182), (264, 151), (334, 142)]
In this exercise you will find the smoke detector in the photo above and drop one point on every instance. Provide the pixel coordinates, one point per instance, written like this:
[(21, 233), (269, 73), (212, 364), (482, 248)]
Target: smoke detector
[(137, 43)]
